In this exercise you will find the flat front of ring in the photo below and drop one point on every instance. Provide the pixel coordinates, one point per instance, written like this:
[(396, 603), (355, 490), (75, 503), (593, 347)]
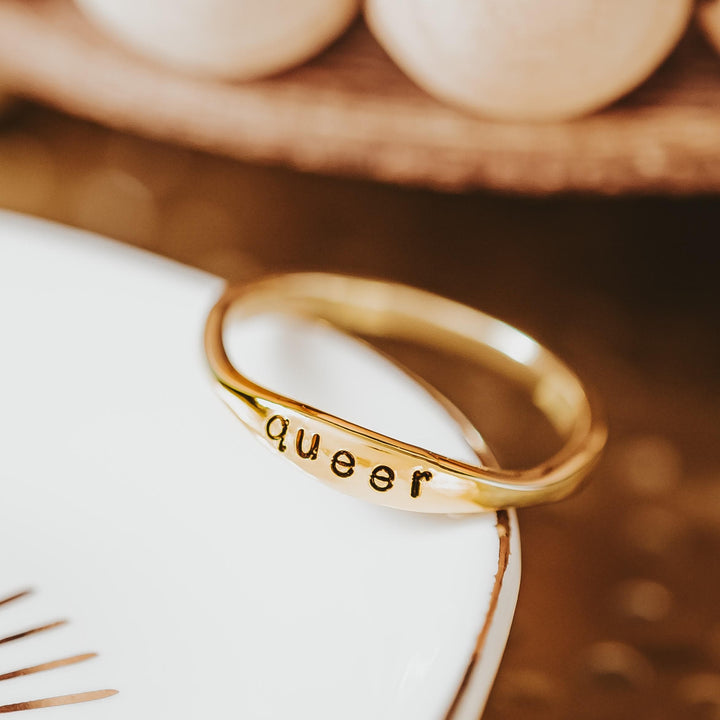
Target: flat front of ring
[(360, 467)]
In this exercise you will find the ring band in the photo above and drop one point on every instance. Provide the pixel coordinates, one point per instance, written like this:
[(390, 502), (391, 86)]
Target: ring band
[(366, 464)]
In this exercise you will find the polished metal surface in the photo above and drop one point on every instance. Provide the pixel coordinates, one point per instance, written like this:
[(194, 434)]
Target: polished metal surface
[(388, 471)]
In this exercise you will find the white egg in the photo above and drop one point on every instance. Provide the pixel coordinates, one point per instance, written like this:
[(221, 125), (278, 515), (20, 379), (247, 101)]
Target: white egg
[(528, 59), (235, 39), (709, 17)]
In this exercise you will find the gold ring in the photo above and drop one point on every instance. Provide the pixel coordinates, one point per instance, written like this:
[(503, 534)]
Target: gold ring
[(366, 464)]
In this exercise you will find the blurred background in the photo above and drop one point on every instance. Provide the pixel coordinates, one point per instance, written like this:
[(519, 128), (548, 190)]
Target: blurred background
[(618, 610)]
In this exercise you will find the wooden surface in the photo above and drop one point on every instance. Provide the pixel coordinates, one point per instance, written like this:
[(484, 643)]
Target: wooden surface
[(618, 611), (351, 111)]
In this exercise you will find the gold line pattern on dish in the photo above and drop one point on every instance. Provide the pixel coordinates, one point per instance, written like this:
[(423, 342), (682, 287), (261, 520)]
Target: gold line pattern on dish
[(503, 530), (16, 596), (59, 700), (32, 631), (63, 662)]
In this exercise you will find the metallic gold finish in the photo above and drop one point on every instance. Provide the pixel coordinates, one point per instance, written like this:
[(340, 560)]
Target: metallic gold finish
[(42, 667), (48, 666), (59, 700), (503, 530), (32, 631), (16, 596), (368, 465)]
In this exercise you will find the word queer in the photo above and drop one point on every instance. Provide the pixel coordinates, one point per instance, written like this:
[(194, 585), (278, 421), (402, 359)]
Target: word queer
[(342, 463)]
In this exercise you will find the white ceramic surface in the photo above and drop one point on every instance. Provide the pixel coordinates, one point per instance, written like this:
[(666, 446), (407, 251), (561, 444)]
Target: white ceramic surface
[(215, 579)]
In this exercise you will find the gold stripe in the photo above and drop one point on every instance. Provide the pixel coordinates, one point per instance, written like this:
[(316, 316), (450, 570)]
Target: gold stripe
[(47, 666), (503, 530), (17, 596), (32, 631), (57, 701)]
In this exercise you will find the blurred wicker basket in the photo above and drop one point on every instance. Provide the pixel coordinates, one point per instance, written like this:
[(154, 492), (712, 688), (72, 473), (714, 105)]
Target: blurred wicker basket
[(351, 111)]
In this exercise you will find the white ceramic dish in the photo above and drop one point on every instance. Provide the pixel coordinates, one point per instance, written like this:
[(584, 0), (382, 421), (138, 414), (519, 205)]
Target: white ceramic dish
[(214, 579)]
